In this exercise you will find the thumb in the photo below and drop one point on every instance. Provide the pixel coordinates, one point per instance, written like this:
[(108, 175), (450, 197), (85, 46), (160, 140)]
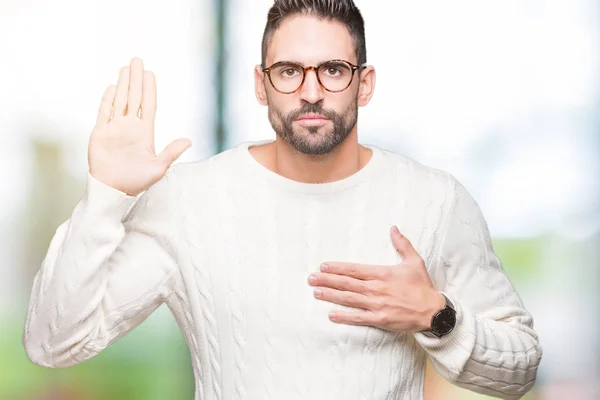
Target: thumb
[(173, 151), (402, 244)]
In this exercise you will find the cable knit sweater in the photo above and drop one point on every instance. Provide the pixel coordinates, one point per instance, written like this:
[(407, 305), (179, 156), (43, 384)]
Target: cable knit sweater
[(228, 245)]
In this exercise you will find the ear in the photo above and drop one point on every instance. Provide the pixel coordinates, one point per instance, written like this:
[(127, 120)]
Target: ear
[(366, 86), (259, 86)]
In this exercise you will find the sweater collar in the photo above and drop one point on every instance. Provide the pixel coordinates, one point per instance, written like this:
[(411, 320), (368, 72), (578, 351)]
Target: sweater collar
[(365, 173)]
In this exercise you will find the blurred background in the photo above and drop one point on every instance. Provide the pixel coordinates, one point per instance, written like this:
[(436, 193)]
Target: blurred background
[(505, 95)]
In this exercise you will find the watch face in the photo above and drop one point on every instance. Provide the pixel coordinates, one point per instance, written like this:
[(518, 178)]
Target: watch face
[(445, 321)]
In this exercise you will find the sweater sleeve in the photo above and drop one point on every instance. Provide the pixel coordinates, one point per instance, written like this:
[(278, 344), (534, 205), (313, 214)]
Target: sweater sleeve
[(493, 348), (106, 269)]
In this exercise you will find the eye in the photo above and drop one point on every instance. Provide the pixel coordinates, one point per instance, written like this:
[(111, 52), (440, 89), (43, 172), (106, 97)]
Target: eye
[(333, 71), (289, 72)]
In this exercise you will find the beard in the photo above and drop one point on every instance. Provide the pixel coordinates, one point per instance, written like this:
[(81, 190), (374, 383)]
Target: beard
[(318, 140)]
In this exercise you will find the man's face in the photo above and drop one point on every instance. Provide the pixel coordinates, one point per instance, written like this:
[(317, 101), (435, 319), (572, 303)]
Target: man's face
[(312, 120)]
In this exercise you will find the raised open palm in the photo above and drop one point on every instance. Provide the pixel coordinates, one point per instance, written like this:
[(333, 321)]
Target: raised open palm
[(121, 151)]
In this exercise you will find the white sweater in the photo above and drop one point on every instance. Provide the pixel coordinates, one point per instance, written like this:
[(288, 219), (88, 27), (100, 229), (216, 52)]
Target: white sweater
[(228, 245)]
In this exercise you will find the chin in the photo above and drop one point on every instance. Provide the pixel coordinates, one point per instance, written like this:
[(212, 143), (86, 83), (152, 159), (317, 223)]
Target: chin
[(313, 135), (323, 130), (312, 144)]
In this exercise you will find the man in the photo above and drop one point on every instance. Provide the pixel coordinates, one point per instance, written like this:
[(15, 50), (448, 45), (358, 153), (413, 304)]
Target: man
[(281, 259)]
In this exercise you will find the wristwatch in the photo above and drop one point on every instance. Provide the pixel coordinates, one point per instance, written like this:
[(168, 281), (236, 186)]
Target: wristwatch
[(443, 321)]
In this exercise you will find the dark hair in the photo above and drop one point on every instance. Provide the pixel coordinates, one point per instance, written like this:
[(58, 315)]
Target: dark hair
[(344, 11)]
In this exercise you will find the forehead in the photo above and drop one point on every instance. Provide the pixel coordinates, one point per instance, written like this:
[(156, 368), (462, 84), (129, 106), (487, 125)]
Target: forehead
[(310, 40)]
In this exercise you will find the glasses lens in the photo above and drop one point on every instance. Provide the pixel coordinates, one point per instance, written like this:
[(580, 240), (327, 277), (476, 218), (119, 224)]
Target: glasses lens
[(335, 75), (286, 77)]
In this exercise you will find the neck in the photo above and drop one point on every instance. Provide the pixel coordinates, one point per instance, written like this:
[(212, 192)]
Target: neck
[(347, 159)]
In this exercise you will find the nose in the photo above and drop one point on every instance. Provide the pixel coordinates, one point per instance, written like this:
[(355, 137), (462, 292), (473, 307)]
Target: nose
[(311, 91)]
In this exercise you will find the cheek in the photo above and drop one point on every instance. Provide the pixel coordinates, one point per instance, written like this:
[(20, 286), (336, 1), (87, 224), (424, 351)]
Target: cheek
[(279, 105), (345, 105)]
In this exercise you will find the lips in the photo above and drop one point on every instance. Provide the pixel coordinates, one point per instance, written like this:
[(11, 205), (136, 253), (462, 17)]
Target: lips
[(311, 117), (312, 120)]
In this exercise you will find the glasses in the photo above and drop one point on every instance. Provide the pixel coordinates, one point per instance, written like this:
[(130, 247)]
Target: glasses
[(334, 76)]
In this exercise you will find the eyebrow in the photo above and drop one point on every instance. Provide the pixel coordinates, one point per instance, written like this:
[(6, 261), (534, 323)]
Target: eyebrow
[(300, 63)]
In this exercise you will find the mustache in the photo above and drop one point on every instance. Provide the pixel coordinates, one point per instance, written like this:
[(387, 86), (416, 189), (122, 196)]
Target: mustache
[(311, 108)]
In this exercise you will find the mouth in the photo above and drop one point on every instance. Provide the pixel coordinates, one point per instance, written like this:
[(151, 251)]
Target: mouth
[(312, 120)]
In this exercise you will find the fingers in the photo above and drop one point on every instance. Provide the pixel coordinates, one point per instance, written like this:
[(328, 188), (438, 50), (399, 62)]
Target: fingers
[(149, 96), (173, 151), (402, 244), (340, 282), (134, 99), (106, 105), (353, 270), (135, 90), (121, 95), (349, 299), (361, 318)]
